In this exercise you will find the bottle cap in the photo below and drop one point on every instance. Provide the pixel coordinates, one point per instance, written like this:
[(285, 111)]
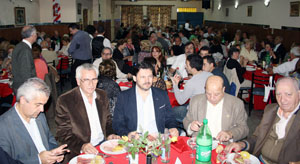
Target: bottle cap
[(205, 121)]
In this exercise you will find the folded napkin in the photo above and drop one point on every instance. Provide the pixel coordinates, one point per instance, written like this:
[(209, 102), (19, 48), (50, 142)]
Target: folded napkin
[(125, 84), (181, 146)]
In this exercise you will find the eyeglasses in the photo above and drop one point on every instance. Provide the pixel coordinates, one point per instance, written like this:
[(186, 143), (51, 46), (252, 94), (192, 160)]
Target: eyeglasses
[(87, 81), (106, 54)]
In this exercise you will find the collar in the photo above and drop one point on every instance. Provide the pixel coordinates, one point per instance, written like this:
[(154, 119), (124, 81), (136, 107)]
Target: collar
[(100, 35), (137, 92), (23, 120), (85, 97), (27, 42), (280, 112), (220, 103)]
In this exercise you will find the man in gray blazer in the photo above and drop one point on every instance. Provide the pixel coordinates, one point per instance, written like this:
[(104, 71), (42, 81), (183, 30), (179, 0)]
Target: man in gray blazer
[(226, 115), (22, 61), (25, 135)]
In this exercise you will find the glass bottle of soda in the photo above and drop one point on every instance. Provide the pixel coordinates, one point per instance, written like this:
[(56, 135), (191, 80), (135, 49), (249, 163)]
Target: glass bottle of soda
[(204, 145)]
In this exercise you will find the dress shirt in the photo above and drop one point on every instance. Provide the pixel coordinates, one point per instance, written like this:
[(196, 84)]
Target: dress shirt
[(187, 27), (96, 131), (179, 65), (34, 133), (214, 117), (276, 47), (27, 42), (106, 42), (146, 115), (120, 75), (285, 68), (281, 125)]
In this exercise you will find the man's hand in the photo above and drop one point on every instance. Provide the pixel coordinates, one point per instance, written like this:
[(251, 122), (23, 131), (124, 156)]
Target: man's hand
[(235, 146), (47, 157), (88, 148), (174, 132), (195, 126), (113, 136), (224, 136), (175, 79)]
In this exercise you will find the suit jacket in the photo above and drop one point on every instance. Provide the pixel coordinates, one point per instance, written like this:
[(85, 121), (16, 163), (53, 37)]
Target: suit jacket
[(280, 54), (22, 65), (6, 159), (290, 151), (16, 141), (125, 114), (234, 117), (73, 126)]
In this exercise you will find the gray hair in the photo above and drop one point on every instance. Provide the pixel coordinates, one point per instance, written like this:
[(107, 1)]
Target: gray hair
[(31, 88), (86, 66), (295, 51), (291, 79), (106, 48), (28, 31)]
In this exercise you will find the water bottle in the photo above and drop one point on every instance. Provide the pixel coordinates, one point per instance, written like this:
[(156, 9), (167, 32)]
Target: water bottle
[(204, 145), (268, 59)]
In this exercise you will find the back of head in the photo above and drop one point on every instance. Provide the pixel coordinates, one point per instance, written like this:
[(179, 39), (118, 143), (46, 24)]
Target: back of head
[(90, 29), (44, 44), (295, 51), (28, 31), (32, 88), (73, 26), (100, 29), (195, 61), (108, 68)]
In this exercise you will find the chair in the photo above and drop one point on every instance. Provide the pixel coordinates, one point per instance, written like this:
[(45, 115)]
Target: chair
[(51, 63), (65, 70), (257, 87)]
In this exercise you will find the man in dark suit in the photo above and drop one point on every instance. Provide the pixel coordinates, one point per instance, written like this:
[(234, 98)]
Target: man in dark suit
[(22, 61), (6, 159), (279, 50), (143, 108), (25, 135), (82, 114)]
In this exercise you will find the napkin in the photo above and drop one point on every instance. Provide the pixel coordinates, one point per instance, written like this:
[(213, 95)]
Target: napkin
[(267, 92), (181, 146), (177, 161)]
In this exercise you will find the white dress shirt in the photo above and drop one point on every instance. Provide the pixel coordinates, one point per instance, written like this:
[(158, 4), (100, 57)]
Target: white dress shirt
[(27, 42), (179, 65), (106, 42), (286, 67), (34, 133), (146, 115), (94, 120), (214, 117), (281, 125)]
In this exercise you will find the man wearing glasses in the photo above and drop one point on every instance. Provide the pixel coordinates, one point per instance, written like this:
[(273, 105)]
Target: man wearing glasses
[(82, 114)]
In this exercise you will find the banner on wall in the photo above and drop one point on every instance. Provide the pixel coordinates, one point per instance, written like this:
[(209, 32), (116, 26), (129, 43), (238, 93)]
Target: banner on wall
[(56, 11)]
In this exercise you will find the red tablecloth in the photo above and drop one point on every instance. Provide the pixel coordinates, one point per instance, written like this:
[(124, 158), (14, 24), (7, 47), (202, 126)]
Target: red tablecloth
[(259, 104), (183, 156)]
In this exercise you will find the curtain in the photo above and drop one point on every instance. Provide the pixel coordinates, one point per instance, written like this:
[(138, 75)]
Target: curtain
[(131, 15), (160, 15)]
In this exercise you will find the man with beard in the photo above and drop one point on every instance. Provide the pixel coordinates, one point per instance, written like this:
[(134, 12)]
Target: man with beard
[(143, 108)]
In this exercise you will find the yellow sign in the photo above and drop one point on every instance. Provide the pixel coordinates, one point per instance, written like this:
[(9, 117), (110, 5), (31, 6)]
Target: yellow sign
[(187, 10)]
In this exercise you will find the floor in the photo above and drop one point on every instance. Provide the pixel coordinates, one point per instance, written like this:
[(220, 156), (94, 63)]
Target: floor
[(253, 120)]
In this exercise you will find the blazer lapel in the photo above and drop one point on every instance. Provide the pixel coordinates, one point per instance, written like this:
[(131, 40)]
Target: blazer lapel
[(226, 114), (156, 107), (101, 115), (132, 101), (202, 109), (42, 133)]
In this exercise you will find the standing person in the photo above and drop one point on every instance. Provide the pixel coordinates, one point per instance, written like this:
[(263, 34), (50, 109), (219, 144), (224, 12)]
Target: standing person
[(99, 42), (22, 61), (25, 135), (80, 49)]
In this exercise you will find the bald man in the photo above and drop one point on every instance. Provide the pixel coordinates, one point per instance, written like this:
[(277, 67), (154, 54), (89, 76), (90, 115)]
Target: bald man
[(226, 115)]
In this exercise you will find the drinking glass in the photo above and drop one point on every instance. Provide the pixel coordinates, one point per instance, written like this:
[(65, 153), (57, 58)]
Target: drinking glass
[(192, 144)]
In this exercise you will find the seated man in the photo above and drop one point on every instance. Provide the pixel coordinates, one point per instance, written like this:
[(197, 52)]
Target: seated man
[(277, 137), (289, 66), (105, 55), (48, 55), (143, 108), (193, 87), (226, 115), (25, 135), (209, 65), (82, 114), (204, 51)]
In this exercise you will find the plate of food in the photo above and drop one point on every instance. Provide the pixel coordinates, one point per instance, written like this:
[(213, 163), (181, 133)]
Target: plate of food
[(112, 147), (87, 159), (242, 158)]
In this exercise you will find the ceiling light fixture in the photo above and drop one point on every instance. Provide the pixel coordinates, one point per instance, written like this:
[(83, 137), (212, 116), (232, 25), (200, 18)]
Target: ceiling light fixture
[(267, 2), (236, 4), (219, 6)]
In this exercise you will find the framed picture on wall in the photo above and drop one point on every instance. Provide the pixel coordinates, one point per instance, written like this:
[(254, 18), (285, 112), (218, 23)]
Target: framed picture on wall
[(79, 8), (249, 11), (20, 17), (294, 10), (227, 12)]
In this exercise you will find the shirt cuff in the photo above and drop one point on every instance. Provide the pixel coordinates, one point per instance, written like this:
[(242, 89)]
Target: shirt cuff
[(189, 131), (40, 162), (246, 148)]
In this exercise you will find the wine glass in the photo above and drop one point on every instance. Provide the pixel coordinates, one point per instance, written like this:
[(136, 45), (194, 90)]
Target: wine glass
[(192, 144)]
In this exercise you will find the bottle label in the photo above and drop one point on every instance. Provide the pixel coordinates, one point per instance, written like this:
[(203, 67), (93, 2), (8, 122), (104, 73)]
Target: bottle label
[(203, 153)]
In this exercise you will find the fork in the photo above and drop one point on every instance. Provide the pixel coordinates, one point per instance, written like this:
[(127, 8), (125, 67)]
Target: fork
[(106, 156)]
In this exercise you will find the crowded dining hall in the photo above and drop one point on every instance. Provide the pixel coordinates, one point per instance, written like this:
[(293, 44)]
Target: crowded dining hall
[(150, 82)]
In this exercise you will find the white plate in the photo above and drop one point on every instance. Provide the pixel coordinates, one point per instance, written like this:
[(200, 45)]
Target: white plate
[(111, 144), (253, 159), (88, 156), (123, 88), (214, 144), (249, 66), (250, 69)]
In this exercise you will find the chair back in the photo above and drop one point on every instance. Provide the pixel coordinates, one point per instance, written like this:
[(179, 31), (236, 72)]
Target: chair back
[(232, 78)]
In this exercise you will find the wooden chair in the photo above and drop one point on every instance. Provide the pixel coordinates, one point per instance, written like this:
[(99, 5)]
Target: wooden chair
[(65, 70)]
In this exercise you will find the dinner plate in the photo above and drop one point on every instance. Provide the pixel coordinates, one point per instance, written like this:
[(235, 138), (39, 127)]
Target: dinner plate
[(123, 88), (87, 156), (110, 144), (253, 159), (250, 69), (214, 144)]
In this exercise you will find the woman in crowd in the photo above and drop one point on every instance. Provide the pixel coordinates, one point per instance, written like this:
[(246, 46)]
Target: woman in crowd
[(41, 67), (248, 53), (66, 43), (129, 49), (107, 75), (156, 53), (120, 59), (268, 51), (158, 82)]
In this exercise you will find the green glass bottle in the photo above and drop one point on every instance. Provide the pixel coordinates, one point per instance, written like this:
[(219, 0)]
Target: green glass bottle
[(268, 59), (204, 145)]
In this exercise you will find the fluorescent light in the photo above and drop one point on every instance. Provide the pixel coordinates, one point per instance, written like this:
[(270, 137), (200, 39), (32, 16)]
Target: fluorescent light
[(219, 7), (236, 4), (267, 2)]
